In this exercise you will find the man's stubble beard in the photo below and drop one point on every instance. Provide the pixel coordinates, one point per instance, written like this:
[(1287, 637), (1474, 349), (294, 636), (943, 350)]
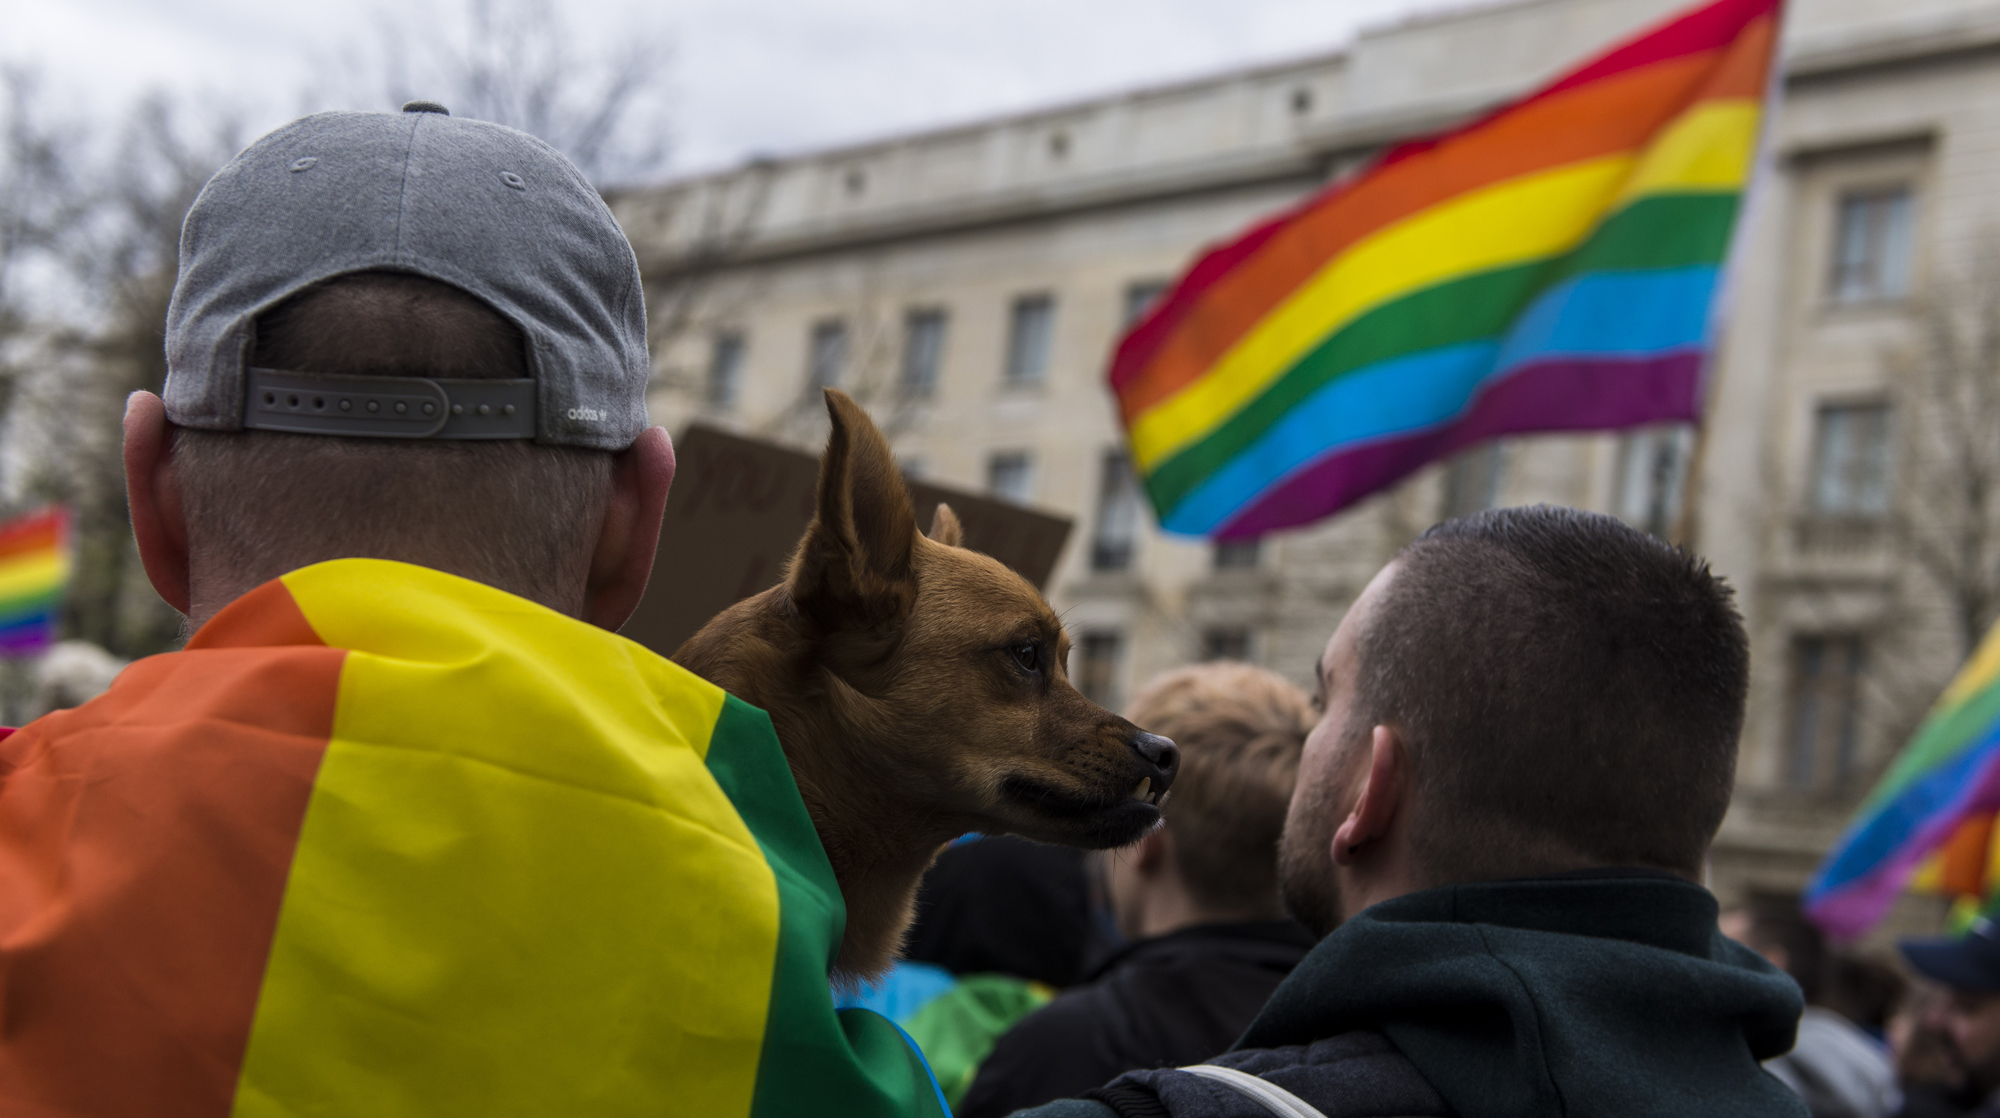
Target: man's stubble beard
[(1305, 865)]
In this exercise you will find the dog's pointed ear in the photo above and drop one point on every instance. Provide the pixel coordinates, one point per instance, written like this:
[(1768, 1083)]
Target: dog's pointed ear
[(945, 528), (852, 569)]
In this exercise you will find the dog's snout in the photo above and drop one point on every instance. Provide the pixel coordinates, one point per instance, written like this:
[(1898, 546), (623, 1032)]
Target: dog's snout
[(1161, 753)]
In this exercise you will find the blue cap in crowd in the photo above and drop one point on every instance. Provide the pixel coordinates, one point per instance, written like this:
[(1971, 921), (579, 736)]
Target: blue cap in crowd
[(1971, 962)]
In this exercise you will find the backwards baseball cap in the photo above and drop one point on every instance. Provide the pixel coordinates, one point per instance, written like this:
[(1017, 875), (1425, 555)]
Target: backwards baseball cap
[(1968, 962), (491, 211)]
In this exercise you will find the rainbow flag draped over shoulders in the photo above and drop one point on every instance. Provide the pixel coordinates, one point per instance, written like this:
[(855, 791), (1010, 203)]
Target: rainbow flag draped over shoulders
[(34, 568), (385, 841), (1549, 267), (1936, 801)]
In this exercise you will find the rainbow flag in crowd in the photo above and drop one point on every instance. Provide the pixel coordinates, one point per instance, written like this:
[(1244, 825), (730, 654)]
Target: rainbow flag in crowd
[(34, 569), (1550, 267), (385, 841), (1931, 816)]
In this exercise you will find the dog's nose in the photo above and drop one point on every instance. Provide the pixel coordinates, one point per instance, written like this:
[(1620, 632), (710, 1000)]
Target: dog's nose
[(1162, 754)]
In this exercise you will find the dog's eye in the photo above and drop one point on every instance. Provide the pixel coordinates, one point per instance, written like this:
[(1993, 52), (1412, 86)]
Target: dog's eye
[(1028, 654)]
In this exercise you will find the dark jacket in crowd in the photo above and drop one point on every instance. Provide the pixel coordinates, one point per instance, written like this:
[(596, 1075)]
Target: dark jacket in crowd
[(1174, 999), (1005, 905), (1604, 993)]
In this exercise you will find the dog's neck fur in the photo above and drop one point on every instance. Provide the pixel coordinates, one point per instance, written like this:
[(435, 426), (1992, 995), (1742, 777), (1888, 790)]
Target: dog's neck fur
[(879, 847)]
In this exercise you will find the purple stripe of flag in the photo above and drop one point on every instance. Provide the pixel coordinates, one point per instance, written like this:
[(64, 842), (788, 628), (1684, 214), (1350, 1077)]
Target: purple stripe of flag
[(1561, 394)]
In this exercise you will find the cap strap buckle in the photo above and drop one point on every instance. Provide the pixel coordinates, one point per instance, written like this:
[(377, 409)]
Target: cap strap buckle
[(388, 407)]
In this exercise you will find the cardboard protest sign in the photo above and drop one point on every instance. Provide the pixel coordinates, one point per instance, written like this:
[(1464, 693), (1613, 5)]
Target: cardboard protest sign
[(739, 506)]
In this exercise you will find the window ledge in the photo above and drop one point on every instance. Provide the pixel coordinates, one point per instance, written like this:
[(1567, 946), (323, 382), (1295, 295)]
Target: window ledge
[(1825, 535), (1879, 306)]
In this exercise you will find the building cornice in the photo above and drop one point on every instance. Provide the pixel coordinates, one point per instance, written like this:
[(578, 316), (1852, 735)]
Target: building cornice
[(1309, 159)]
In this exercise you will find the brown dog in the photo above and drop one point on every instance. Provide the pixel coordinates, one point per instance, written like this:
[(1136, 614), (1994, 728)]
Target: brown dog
[(919, 692)]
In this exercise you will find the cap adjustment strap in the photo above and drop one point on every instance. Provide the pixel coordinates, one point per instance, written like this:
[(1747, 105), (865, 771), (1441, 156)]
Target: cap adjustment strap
[(388, 407)]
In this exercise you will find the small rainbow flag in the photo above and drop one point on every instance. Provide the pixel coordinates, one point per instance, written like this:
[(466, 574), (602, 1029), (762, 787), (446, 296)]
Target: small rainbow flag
[(34, 568), (1934, 806), (1549, 267)]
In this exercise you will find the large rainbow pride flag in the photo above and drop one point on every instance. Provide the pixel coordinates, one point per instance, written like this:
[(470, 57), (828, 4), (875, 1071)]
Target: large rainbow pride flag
[(385, 841), (34, 568), (1934, 805), (1549, 267)]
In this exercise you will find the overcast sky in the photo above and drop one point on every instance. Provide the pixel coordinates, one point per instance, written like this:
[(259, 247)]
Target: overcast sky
[(747, 76)]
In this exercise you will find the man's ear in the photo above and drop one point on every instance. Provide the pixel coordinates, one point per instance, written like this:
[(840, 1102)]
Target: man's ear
[(1380, 799), (945, 528), (852, 569), (153, 493), (641, 474)]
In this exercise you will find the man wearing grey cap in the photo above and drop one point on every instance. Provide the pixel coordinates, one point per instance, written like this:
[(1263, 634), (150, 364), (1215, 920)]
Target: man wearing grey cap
[(406, 828)]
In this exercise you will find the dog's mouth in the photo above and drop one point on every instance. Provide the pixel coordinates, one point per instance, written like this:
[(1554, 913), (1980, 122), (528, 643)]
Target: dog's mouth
[(1047, 799), (1084, 819)]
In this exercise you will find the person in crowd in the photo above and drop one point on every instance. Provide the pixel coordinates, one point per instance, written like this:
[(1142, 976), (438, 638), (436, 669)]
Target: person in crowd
[(1866, 987), (71, 674), (1527, 742), (1930, 1079), (1002, 923), (407, 828), (1197, 898), (1966, 1017), (1836, 1067)]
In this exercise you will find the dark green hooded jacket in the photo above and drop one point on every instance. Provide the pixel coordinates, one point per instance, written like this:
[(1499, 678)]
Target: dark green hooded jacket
[(1606, 993)]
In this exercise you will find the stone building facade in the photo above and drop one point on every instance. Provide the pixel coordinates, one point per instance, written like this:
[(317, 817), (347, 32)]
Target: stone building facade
[(967, 285)]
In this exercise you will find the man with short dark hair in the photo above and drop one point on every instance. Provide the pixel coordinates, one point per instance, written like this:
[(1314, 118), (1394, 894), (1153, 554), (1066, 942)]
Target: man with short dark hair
[(1528, 740), (407, 828), (1197, 899)]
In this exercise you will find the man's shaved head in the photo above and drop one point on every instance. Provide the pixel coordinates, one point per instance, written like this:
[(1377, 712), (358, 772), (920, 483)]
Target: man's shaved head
[(389, 324), (509, 513), (1571, 688)]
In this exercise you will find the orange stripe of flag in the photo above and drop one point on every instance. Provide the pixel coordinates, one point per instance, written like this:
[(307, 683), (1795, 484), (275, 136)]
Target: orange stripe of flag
[(132, 956)]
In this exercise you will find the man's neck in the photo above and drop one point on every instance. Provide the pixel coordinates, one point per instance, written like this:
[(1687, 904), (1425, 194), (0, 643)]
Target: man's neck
[(211, 590)]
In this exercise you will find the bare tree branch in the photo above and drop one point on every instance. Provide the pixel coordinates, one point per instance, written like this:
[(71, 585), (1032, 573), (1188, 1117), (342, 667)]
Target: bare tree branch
[(519, 63)]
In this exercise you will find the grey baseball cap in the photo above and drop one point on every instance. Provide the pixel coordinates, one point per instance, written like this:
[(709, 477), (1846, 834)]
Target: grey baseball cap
[(490, 210)]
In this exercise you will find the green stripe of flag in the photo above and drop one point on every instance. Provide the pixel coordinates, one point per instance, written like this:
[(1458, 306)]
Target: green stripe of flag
[(1665, 231), (1943, 735), (814, 1062), (37, 601)]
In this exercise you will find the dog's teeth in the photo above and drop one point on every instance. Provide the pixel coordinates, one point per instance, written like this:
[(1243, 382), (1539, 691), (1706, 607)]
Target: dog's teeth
[(1145, 785)]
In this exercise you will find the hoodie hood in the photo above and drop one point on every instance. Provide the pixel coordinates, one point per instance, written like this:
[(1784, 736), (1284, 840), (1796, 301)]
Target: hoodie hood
[(1576, 995)]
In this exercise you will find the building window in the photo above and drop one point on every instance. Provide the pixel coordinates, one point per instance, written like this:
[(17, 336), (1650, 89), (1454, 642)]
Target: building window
[(1472, 481), (1028, 339), (1872, 240), (1850, 478), (1237, 555), (1226, 643), (826, 357), (1140, 297), (1825, 712), (1652, 467), (1010, 474), (1118, 511), (923, 351), (725, 371), (1096, 672)]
